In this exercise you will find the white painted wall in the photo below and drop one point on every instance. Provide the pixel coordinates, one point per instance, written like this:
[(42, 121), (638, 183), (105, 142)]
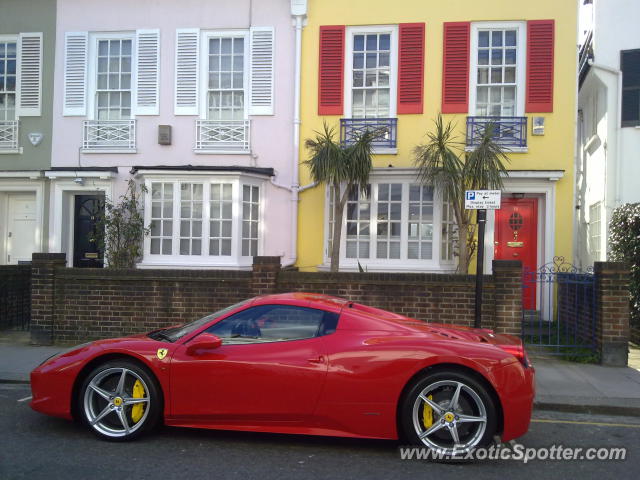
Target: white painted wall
[(608, 163)]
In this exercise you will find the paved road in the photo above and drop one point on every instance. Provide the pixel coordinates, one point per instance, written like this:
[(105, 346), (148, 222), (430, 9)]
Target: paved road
[(34, 446)]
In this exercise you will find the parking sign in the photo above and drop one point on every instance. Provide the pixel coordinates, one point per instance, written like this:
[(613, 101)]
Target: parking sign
[(482, 199)]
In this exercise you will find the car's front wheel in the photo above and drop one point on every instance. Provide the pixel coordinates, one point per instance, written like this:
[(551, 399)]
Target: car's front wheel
[(119, 400), (449, 412)]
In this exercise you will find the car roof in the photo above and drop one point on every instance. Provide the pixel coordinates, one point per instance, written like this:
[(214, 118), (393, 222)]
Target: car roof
[(304, 299)]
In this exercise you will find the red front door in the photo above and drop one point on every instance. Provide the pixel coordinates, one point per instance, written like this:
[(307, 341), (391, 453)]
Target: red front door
[(516, 238)]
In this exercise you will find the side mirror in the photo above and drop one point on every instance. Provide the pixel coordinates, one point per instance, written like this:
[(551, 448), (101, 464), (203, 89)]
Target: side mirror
[(204, 341)]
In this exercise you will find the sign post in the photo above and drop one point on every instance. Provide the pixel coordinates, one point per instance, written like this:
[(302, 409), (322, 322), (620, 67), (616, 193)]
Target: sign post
[(481, 200)]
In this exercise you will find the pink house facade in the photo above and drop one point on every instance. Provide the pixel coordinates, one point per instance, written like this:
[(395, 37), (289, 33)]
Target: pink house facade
[(197, 101)]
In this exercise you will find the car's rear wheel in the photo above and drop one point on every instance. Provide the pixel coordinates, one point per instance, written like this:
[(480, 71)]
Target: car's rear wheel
[(449, 412), (120, 400)]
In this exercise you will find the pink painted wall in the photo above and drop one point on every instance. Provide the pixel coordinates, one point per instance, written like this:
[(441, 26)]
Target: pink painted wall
[(271, 136)]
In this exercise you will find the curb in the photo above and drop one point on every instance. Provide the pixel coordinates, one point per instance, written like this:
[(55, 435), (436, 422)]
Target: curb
[(14, 381), (589, 409)]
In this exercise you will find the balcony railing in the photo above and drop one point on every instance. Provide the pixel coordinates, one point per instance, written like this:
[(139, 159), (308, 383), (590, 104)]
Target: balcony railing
[(508, 132), (386, 130), (109, 135), (222, 136), (9, 135)]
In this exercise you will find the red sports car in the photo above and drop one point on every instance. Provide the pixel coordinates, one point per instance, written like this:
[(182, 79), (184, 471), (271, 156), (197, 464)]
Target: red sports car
[(299, 363)]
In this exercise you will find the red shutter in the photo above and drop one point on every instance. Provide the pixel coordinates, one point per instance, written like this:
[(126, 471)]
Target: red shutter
[(411, 68), (331, 70), (540, 38), (455, 66)]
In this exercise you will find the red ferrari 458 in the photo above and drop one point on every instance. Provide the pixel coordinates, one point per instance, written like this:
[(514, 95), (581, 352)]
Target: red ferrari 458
[(299, 363)]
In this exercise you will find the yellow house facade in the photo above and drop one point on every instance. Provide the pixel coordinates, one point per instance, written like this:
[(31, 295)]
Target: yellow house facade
[(396, 66)]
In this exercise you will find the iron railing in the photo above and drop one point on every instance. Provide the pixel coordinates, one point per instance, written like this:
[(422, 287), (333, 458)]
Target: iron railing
[(509, 132), (109, 135), (386, 130), (9, 135), (222, 135), (564, 318), (15, 298)]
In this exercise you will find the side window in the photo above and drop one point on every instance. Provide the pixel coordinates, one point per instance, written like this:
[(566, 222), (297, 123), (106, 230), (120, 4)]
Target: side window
[(274, 323)]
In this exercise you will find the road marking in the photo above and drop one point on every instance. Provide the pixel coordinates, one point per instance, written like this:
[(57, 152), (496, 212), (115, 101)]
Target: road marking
[(598, 424), (25, 399)]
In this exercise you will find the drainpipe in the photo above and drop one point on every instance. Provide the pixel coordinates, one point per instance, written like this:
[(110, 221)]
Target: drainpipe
[(299, 13)]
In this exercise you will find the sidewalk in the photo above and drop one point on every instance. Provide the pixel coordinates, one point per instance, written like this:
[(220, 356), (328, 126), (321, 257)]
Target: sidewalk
[(587, 388), (18, 358), (560, 385)]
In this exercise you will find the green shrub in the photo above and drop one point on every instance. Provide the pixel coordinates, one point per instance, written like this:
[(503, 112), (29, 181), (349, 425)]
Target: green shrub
[(624, 238), (120, 231)]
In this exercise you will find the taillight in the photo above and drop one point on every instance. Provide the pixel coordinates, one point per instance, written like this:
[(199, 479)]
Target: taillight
[(517, 351)]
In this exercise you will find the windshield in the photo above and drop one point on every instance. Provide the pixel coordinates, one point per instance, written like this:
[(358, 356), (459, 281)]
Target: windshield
[(175, 333)]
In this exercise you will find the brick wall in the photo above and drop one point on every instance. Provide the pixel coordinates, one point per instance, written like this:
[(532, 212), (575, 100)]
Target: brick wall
[(15, 297), (72, 305), (612, 291)]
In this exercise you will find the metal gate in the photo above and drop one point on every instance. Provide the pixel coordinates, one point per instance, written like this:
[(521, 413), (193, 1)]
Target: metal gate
[(564, 321), (15, 297)]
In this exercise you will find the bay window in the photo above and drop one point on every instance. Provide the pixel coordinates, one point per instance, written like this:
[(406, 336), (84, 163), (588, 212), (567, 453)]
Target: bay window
[(205, 221), (394, 224)]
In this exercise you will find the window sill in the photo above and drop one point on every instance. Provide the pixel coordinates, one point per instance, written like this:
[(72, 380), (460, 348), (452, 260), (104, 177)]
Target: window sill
[(11, 151), (406, 268), (506, 149), (109, 150), (384, 151), (190, 264), (221, 152)]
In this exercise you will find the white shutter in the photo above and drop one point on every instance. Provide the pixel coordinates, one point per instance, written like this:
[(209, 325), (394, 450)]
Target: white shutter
[(75, 73), (261, 71), (187, 71), (29, 82), (147, 72)]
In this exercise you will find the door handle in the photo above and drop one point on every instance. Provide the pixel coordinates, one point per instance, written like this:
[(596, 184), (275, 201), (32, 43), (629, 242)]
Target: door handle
[(318, 359)]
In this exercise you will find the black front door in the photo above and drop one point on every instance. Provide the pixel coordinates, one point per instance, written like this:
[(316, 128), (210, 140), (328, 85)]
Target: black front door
[(88, 209)]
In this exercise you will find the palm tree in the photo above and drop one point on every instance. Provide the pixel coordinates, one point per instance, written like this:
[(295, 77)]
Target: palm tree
[(343, 168), (440, 164)]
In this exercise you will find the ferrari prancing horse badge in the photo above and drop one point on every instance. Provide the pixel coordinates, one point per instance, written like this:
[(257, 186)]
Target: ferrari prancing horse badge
[(161, 353)]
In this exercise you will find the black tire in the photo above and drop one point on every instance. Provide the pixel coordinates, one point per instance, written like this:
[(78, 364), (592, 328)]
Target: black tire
[(107, 401), (474, 401)]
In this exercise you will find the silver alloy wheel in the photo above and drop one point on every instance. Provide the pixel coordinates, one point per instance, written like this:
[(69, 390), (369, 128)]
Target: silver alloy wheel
[(108, 401), (452, 415)]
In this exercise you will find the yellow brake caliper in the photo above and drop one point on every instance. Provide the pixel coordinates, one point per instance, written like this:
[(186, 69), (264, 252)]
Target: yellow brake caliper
[(427, 413), (138, 408)]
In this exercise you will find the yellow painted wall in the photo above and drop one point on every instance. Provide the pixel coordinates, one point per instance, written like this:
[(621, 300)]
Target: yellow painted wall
[(553, 151)]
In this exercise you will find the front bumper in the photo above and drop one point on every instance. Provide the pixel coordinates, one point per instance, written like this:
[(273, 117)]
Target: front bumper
[(516, 396)]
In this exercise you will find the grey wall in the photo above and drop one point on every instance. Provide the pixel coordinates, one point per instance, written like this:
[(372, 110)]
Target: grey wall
[(18, 16)]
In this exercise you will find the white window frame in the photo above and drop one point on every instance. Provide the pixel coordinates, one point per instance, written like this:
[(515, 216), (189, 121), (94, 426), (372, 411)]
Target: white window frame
[(15, 39), (235, 260), (521, 63), (205, 35), (393, 62), (595, 230), (435, 264), (94, 38)]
